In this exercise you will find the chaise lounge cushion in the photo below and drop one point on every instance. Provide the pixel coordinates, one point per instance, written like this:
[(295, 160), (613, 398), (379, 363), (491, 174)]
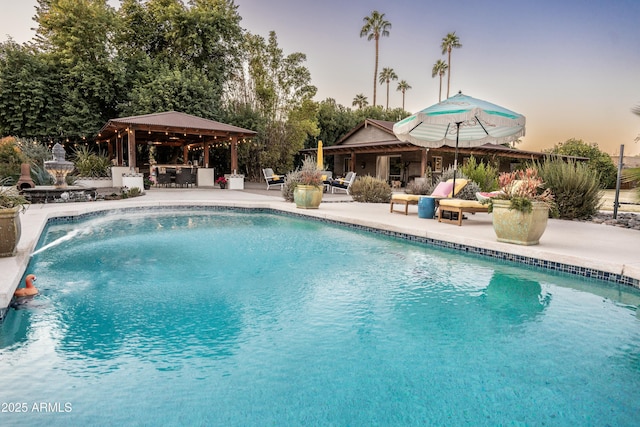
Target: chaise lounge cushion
[(406, 197), (460, 203), (443, 189)]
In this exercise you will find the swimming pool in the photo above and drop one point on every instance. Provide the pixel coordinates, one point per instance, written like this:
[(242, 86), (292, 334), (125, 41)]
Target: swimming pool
[(234, 318)]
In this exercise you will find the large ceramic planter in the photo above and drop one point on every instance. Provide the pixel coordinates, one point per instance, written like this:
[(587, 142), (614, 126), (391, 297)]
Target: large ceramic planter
[(9, 231), (514, 226), (307, 196)]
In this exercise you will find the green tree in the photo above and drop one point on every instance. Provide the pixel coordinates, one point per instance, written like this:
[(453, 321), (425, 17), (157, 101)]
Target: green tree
[(386, 75), (30, 92), (278, 89), (334, 121), (375, 26), (599, 162), (403, 87), (178, 57), (449, 42), (360, 101), (75, 37), (439, 69)]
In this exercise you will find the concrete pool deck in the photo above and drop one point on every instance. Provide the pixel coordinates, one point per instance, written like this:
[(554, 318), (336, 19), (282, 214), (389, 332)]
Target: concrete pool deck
[(584, 245)]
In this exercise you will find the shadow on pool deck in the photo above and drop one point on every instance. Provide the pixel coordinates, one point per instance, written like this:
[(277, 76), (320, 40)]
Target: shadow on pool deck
[(571, 243)]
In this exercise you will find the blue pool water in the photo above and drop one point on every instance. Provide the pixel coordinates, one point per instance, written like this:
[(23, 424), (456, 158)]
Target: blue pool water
[(237, 319)]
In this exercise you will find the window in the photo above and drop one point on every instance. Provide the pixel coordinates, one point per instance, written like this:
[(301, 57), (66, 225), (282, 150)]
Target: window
[(437, 164)]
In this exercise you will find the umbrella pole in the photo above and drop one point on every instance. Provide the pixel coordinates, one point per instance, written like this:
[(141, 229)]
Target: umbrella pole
[(455, 160)]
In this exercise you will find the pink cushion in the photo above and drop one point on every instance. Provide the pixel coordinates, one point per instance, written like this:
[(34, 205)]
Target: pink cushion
[(443, 189)]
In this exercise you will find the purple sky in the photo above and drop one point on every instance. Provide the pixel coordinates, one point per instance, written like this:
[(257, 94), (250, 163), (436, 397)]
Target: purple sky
[(572, 67)]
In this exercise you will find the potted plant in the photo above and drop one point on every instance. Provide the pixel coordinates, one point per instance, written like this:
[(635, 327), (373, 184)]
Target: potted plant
[(11, 204), (521, 208), (222, 182), (307, 192)]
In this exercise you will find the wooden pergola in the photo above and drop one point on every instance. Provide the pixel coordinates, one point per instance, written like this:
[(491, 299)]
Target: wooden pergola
[(170, 128)]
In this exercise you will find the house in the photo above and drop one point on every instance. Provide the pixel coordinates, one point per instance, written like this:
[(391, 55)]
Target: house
[(371, 148)]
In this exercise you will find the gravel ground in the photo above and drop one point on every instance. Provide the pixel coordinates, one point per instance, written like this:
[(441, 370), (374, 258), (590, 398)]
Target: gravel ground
[(623, 219)]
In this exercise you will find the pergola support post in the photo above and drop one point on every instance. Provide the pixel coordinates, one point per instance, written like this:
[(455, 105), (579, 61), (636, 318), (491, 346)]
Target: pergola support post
[(234, 154)]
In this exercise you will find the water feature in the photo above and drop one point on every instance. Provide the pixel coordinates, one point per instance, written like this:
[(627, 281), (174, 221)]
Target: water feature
[(226, 318), (59, 168)]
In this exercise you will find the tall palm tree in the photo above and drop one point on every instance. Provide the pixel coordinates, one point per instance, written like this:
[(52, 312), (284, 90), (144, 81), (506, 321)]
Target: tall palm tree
[(386, 75), (360, 101), (439, 69), (403, 86), (375, 26), (449, 42), (636, 110)]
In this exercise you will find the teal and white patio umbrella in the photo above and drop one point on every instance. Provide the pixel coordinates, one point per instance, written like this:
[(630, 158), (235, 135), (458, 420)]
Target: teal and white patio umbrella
[(460, 121)]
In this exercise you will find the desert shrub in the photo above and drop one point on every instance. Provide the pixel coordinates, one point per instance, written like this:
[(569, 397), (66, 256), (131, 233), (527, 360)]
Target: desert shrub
[(40, 176), (422, 188), (90, 164), (35, 151), (134, 192), (575, 186), (290, 182), (632, 176), (484, 175), (307, 174), (368, 189), (468, 192)]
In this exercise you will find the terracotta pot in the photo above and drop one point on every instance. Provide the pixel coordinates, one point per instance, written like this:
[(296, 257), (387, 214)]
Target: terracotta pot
[(10, 231), (307, 196), (521, 228)]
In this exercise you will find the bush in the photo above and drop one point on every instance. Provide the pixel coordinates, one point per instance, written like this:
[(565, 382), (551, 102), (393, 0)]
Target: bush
[(423, 188), (10, 159), (35, 151), (575, 186), (90, 164), (485, 175), (468, 192), (290, 183), (368, 189), (599, 161), (308, 174), (40, 176)]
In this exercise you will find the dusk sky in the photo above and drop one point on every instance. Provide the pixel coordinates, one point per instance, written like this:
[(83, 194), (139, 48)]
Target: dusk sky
[(572, 67)]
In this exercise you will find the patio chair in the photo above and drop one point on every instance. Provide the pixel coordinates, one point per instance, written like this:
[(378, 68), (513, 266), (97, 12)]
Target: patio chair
[(327, 177), (183, 178), (343, 184), (272, 179), (164, 179), (442, 190)]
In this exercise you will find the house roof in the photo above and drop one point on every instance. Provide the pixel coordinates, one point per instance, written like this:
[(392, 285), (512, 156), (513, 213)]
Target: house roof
[(393, 144)]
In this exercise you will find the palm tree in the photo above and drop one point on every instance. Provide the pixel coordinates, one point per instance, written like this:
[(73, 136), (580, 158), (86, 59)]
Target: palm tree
[(439, 69), (375, 27), (449, 42), (636, 110), (386, 75), (403, 86), (360, 101)]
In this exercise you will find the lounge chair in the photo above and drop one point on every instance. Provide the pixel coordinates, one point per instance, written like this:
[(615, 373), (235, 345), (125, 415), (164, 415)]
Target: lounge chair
[(442, 190), (452, 210), (272, 179), (343, 184)]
